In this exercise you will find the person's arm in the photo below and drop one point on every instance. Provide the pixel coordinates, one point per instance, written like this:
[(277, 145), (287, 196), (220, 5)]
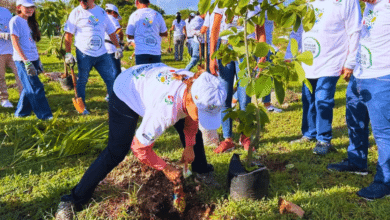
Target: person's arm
[(165, 34), (114, 40), (185, 31), (172, 28), (213, 42), (68, 42), (261, 37), (204, 29), (119, 32), (17, 47)]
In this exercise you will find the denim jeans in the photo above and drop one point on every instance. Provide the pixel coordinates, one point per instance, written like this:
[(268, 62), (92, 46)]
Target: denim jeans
[(357, 119), (318, 106), (33, 96), (117, 65), (146, 59), (376, 95), (179, 46), (103, 65), (122, 125), (194, 55)]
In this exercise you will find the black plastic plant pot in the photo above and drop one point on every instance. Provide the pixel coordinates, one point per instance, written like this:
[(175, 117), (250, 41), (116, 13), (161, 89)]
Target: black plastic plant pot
[(66, 83), (247, 185)]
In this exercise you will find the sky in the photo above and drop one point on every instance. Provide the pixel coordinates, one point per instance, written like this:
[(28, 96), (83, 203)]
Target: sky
[(173, 6)]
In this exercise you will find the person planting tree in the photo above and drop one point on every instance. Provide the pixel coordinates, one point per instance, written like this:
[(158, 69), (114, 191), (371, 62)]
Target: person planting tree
[(163, 96)]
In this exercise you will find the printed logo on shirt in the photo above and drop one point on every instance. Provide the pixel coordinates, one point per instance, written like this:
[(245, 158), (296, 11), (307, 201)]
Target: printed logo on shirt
[(147, 22), (169, 100), (148, 137), (364, 57), (311, 44), (165, 77), (337, 2), (318, 13), (369, 21), (95, 42), (94, 21)]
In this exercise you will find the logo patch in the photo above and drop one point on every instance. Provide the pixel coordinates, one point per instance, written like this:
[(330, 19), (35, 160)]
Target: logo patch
[(165, 77), (147, 23), (94, 21), (364, 57), (312, 45), (337, 2), (169, 100), (318, 13), (369, 21)]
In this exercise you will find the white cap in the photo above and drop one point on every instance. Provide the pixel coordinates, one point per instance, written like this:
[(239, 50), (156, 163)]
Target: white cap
[(113, 8), (25, 3), (209, 95), (192, 14)]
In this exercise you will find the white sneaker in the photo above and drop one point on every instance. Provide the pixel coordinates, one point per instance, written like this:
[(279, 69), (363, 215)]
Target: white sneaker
[(272, 108), (6, 104)]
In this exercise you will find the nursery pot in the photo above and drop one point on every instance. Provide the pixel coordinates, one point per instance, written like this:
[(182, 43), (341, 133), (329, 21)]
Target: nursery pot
[(66, 83), (247, 185)]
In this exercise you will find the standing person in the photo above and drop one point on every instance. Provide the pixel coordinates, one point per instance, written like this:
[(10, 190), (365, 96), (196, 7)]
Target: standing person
[(229, 72), (367, 98), (113, 15), (146, 26), (88, 23), (6, 57), (179, 33), (196, 40), (24, 33), (334, 41), (189, 35), (186, 100)]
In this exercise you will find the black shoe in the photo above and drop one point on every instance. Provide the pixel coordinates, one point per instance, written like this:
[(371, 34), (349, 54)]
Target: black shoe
[(374, 191), (346, 166), (322, 148)]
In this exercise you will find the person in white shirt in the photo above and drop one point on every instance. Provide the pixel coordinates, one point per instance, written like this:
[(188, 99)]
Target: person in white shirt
[(333, 41), (6, 57), (113, 15), (367, 99), (179, 28), (146, 26), (195, 39), (88, 23), (163, 96), (25, 32)]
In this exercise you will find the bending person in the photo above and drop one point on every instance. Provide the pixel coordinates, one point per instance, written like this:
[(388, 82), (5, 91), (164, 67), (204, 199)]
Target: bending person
[(185, 100)]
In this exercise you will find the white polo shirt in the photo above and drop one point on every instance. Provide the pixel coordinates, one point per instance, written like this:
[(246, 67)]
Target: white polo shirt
[(178, 31), (89, 27), (146, 25), (5, 17), (19, 27)]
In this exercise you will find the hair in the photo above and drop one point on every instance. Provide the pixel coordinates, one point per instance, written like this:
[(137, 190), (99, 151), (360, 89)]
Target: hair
[(33, 24), (178, 17), (144, 1)]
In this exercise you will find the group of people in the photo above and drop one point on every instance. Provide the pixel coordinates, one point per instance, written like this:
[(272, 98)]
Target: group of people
[(342, 41)]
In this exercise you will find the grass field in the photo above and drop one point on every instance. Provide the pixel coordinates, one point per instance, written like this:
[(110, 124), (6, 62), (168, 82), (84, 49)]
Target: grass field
[(33, 179)]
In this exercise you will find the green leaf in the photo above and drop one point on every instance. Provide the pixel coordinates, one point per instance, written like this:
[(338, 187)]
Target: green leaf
[(272, 13), (250, 28), (263, 86), (261, 49), (306, 57), (225, 33), (294, 47), (250, 89), (243, 3), (203, 6), (301, 73), (279, 91), (244, 82), (288, 19), (309, 20), (308, 85), (297, 24), (232, 114)]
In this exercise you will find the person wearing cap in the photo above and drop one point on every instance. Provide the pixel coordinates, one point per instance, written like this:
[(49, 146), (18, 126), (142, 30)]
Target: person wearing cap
[(183, 100), (196, 40), (146, 26), (113, 15), (189, 35), (179, 33), (6, 57), (89, 23), (25, 32)]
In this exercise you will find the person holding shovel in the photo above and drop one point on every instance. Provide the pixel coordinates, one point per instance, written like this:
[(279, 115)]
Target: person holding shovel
[(179, 33), (163, 96), (25, 32), (88, 23)]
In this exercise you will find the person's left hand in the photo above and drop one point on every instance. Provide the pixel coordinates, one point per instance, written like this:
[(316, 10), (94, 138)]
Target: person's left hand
[(347, 73), (188, 156), (118, 53)]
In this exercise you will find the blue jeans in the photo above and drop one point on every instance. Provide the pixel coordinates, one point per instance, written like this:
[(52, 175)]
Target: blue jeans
[(103, 65), (318, 106), (179, 46), (194, 54), (33, 96), (117, 65), (357, 121), (376, 95), (122, 125), (146, 59)]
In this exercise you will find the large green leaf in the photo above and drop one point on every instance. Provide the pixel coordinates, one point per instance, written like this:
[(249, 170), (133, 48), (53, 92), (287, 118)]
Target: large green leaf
[(203, 6), (306, 57), (279, 91), (294, 47), (225, 33), (263, 86), (261, 49), (301, 73), (288, 19), (309, 20)]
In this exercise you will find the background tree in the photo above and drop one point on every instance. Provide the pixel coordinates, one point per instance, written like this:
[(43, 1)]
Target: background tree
[(10, 4)]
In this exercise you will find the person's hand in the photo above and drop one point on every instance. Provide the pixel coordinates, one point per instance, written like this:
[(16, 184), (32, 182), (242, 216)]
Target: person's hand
[(118, 53), (347, 73), (172, 174), (214, 67), (188, 156), (69, 59), (31, 71), (5, 36)]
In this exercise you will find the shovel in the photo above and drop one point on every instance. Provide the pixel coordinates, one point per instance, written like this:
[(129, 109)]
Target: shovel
[(169, 42), (77, 101)]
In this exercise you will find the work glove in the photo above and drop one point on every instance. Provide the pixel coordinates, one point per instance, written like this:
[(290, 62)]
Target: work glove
[(118, 53), (69, 59), (5, 36), (31, 71)]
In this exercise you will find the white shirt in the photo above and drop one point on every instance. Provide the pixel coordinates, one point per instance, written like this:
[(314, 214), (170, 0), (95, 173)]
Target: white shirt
[(5, 17), (19, 27), (150, 91), (111, 48), (194, 29), (89, 27), (146, 25), (374, 51), (334, 38), (178, 31)]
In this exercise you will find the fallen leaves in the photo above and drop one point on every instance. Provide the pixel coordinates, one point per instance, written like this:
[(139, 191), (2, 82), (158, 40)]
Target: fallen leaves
[(289, 207)]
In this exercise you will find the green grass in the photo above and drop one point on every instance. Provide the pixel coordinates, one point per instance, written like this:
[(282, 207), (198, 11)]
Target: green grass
[(31, 188)]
